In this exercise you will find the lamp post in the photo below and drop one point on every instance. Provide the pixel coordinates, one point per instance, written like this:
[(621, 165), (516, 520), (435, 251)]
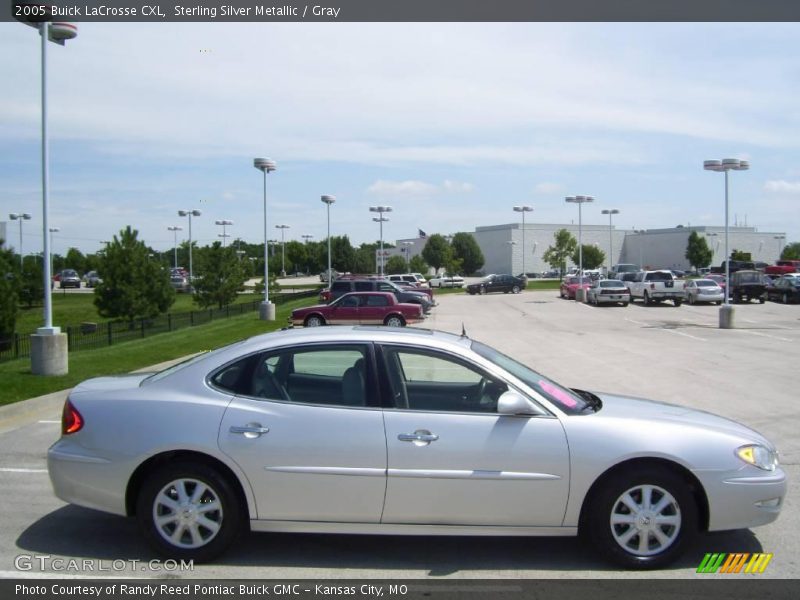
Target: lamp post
[(224, 234), (780, 239), (381, 219), (283, 228), (725, 165), (523, 209), (328, 200), (610, 212), (175, 229), (190, 214), (20, 217), (580, 295), (52, 230), (267, 310)]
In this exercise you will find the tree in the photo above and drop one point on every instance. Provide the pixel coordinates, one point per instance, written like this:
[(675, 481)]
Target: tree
[(219, 276), (593, 257), (466, 249), (791, 251), (741, 255), (556, 256), (698, 253), (133, 285), (75, 260), (417, 264), (8, 297), (395, 264), (437, 252), (31, 288)]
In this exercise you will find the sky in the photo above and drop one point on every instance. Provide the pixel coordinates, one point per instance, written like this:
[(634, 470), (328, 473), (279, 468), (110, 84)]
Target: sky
[(450, 124)]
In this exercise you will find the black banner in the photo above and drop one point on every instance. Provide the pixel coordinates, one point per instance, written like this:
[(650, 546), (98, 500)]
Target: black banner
[(402, 10)]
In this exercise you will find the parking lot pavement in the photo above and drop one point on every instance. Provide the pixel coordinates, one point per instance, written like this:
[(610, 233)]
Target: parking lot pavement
[(665, 353)]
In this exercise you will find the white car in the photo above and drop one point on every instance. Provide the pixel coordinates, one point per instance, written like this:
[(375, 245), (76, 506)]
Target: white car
[(447, 281), (703, 290), (383, 430)]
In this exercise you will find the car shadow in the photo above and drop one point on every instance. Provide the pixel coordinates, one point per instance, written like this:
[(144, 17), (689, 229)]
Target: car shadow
[(74, 532)]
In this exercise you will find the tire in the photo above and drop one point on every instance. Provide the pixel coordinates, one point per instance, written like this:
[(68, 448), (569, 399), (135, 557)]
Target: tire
[(677, 302), (624, 304), (719, 302), (394, 321), (210, 537), (646, 299), (561, 293), (481, 290), (626, 536), (314, 321), (691, 300), (762, 300), (515, 289), (785, 298)]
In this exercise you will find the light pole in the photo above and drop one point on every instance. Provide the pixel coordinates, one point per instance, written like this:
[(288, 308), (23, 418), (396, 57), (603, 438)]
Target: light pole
[(580, 295), (20, 217), (610, 212), (381, 219), (175, 229), (224, 234), (523, 209), (190, 214), (780, 239), (267, 310), (328, 200), (283, 228), (725, 165), (52, 230)]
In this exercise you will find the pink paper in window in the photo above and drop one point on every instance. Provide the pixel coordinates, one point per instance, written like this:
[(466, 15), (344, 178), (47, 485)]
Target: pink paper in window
[(558, 394)]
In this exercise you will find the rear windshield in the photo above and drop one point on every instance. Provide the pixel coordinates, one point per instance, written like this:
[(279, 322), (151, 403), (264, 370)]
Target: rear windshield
[(750, 277), (611, 283), (659, 276), (705, 283)]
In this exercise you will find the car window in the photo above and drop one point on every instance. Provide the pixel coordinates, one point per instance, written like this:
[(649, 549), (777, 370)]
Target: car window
[(377, 301), (340, 286), (363, 286), (432, 381), (386, 287), (349, 301)]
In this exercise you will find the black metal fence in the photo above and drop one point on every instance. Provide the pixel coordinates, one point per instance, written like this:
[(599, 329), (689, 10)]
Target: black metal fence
[(88, 336)]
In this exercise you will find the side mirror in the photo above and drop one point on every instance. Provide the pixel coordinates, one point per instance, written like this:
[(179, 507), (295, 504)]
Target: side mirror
[(514, 403)]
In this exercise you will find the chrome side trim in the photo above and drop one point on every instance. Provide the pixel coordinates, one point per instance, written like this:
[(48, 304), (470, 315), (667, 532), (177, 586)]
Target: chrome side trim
[(349, 471), (454, 474), (401, 529)]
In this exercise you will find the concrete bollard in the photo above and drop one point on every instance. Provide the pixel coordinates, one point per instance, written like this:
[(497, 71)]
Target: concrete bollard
[(266, 311), (726, 316)]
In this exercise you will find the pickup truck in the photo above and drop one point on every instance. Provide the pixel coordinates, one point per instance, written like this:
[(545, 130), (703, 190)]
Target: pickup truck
[(655, 286), (783, 267)]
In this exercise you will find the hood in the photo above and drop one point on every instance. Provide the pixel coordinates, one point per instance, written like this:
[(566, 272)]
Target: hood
[(626, 407), (107, 384)]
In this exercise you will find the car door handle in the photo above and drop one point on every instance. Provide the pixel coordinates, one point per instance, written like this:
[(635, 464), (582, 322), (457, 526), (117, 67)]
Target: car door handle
[(249, 428), (418, 436)]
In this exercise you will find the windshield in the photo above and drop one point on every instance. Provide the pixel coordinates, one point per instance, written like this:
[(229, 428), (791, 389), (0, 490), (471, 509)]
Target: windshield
[(565, 399)]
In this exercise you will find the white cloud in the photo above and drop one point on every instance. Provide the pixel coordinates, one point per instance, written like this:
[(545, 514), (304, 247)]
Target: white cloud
[(548, 188), (782, 187), (457, 187), (383, 187)]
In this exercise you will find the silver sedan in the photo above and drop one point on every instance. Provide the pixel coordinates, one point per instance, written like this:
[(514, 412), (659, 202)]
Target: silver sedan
[(369, 430), (703, 290)]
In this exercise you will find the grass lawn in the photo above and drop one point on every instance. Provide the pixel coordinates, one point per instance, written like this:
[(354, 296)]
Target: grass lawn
[(19, 383)]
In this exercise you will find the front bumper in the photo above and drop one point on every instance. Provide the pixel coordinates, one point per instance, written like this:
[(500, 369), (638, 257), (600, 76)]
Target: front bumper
[(743, 499)]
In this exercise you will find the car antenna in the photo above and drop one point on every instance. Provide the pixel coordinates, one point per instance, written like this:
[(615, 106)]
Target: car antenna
[(463, 330)]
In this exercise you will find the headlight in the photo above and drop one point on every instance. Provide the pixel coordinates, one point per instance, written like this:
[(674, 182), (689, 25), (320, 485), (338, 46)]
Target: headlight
[(758, 456)]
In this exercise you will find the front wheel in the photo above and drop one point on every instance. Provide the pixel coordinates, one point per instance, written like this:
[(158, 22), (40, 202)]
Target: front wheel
[(394, 321), (189, 511), (644, 519), (315, 321), (482, 290), (677, 302), (515, 289)]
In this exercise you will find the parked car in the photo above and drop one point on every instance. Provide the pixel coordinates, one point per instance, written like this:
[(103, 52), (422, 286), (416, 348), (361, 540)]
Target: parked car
[(747, 286), (92, 279), (497, 283), (69, 278), (445, 280), (180, 283), (571, 285), (412, 278), (783, 267), (619, 269), (703, 290), (719, 279), (608, 291), (413, 287), (345, 285), (379, 430), (365, 308), (656, 286), (786, 289)]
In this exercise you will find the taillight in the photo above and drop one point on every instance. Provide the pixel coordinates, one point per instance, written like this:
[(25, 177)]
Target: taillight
[(71, 419), (652, 286)]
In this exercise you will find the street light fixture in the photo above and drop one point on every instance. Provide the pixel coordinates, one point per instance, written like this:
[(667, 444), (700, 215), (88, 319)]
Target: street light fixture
[(224, 234), (283, 228), (523, 209), (175, 229), (328, 200), (725, 165), (190, 213), (580, 295), (267, 310), (381, 219), (20, 217), (610, 212)]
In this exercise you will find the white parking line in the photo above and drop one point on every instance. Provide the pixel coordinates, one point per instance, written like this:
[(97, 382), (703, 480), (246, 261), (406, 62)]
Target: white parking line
[(49, 421), (694, 337), (766, 335), (17, 470)]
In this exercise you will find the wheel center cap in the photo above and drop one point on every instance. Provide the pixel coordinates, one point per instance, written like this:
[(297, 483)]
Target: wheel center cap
[(644, 520)]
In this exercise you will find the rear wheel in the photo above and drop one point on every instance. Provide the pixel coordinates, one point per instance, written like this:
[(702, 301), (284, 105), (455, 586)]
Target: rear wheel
[(643, 519), (189, 511), (677, 302), (315, 321), (646, 299), (394, 321), (515, 289)]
